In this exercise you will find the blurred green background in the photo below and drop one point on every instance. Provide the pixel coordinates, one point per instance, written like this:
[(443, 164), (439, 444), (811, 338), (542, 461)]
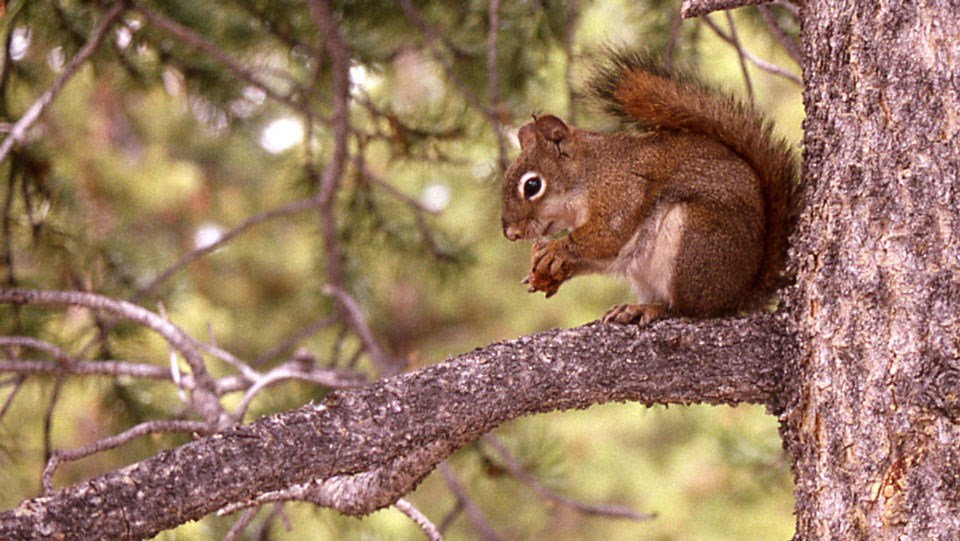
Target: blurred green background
[(154, 148)]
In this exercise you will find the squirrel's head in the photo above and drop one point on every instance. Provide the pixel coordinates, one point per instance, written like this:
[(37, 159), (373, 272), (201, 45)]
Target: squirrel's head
[(540, 195)]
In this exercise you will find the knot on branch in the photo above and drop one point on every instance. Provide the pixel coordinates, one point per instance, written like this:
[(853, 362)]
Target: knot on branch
[(939, 388)]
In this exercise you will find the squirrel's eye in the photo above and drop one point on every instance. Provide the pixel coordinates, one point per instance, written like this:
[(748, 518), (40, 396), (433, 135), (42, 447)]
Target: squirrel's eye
[(532, 185)]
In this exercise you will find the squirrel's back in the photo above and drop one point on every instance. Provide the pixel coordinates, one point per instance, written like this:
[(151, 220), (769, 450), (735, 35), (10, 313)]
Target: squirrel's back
[(641, 92)]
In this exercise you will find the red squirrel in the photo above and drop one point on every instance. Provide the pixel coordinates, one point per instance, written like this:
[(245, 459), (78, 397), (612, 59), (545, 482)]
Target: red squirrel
[(693, 202)]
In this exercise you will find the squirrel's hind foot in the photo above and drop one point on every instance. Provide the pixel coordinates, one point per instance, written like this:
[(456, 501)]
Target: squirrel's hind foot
[(641, 314)]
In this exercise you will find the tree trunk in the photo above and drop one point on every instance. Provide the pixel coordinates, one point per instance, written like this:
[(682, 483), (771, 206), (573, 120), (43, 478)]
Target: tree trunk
[(873, 432)]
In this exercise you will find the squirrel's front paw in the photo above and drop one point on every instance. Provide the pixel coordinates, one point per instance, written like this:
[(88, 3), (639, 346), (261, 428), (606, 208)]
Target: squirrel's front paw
[(548, 268)]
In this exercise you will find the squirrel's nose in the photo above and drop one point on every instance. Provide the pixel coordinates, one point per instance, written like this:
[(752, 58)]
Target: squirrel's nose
[(511, 231)]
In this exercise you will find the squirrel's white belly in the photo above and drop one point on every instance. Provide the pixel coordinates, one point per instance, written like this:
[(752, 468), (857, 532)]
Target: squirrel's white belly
[(649, 257)]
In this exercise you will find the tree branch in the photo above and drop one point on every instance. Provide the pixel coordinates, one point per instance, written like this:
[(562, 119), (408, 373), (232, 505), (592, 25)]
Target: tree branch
[(695, 8), (19, 130), (441, 407), (203, 395)]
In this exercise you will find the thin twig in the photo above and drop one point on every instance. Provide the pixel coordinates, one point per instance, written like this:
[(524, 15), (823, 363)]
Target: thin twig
[(758, 62), (372, 178), (196, 41), (384, 363), (670, 49), (695, 8), (430, 36), (516, 470), (203, 392), (112, 369), (150, 427), (479, 522), (34, 343), (493, 82), (789, 6), (241, 524), (293, 340), (789, 44), (569, 36), (735, 40), (7, 226), (19, 129), (451, 515), (17, 383), (294, 370), (213, 349), (336, 48), (279, 212), (48, 416), (419, 519)]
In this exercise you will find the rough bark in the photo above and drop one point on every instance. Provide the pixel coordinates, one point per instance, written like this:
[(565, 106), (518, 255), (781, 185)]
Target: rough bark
[(874, 432), (438, 408)]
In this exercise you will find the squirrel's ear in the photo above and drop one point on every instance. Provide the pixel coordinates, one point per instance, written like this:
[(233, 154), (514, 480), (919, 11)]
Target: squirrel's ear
[(552, 128), (526, 135)]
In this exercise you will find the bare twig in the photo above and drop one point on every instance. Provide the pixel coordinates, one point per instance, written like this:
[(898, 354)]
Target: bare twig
[(758, 62), (451, 515), (196, 41), (430, 37), (241, 524), (735, 41), (229, 358), (204, 398), (695, 8), (336, 49), (493, 82), (340, 69), (479, 522), (789, 44), (279, 212), (108, 368), (17, 383), (295, 370), (669, 50), (293, 340), (150, 427), (569, 35), (48, 416), (384, 363), (68, 365), (7, 226), (19, 129), (34, 343), (419, 519), (789, 6), (372, 178), (516, 470)]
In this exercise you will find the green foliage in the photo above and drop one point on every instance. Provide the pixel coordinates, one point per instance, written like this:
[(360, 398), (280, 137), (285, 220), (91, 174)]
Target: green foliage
[(155, 142)]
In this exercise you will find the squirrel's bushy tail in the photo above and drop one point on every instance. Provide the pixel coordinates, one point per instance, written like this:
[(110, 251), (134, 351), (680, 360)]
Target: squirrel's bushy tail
[(641, 92)]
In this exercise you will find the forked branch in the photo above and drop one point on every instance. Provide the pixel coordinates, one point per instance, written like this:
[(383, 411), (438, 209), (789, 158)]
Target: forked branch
[(444, 406)]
